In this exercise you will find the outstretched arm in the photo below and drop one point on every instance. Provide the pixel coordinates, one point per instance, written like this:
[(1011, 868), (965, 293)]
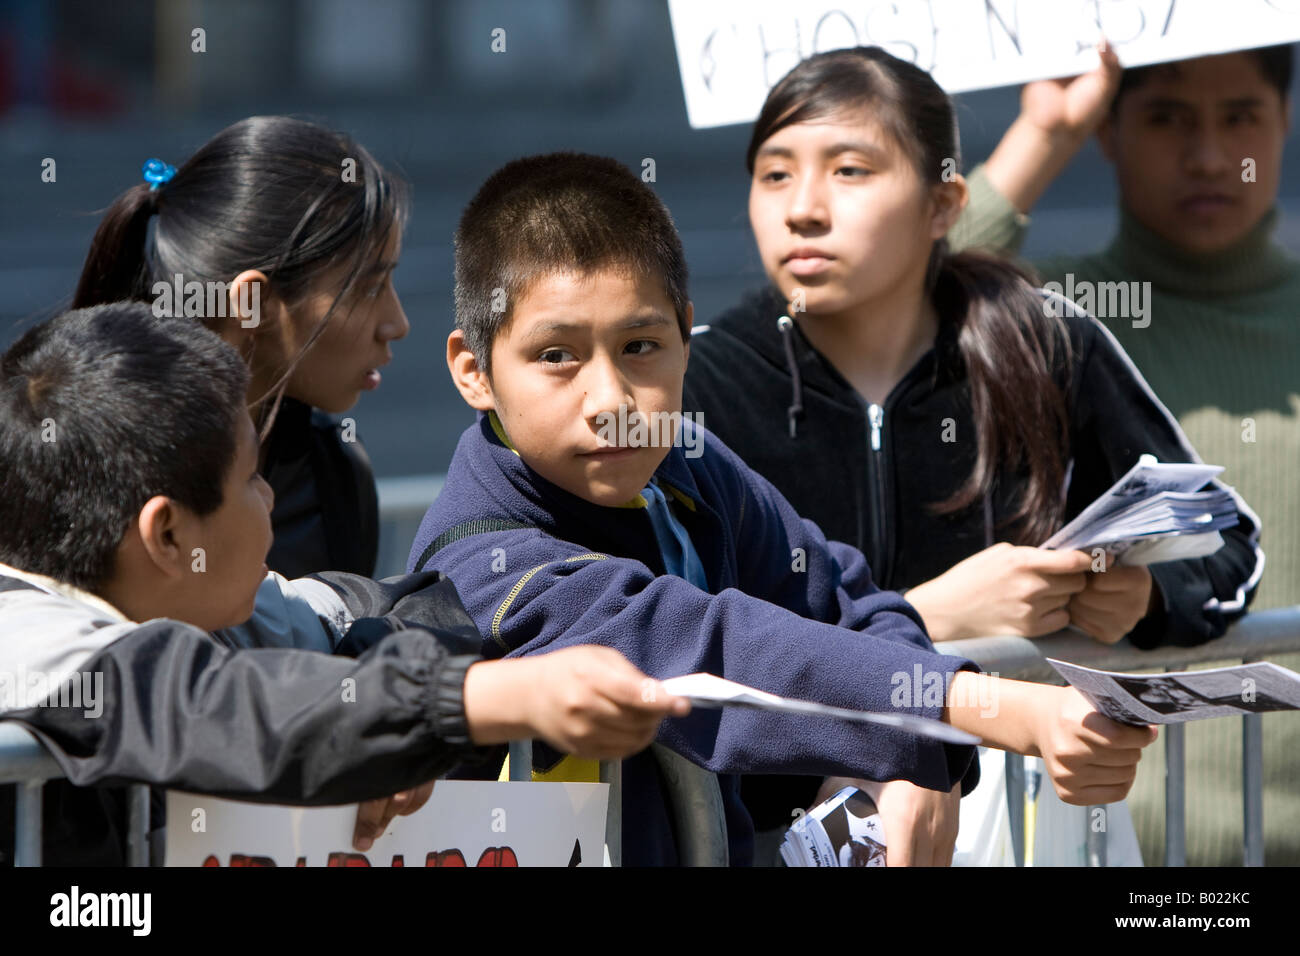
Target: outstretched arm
[(1056, 118)]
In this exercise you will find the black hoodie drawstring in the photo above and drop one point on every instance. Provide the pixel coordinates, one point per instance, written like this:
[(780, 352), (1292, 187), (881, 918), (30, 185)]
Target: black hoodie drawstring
[(796, 385)]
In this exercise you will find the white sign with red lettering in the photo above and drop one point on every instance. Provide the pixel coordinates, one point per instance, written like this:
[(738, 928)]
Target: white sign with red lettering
[(465, 823), (731, 52)]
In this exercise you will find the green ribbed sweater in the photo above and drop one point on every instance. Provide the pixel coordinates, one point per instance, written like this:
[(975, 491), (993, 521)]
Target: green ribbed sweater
[(1222, 351)]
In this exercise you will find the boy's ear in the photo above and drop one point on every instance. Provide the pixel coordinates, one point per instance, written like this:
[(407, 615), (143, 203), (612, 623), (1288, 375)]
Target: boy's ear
[(160, 526), (690, 322), (950, 198), (471, 380)]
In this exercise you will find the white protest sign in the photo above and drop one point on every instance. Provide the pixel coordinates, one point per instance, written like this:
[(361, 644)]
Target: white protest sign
[(731, 52), (465, 823)]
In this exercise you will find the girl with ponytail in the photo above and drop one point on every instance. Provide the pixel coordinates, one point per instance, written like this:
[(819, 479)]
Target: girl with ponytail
[(937, 411), (281, 236)]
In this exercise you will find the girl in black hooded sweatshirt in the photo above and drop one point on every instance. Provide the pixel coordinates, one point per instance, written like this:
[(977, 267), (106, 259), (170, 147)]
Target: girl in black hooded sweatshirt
[(937, 411)]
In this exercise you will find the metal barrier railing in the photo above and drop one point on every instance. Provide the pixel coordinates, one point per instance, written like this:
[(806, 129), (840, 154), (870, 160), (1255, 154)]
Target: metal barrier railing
[(1255, 637), (694, 794), (402, 505), (24, 762)]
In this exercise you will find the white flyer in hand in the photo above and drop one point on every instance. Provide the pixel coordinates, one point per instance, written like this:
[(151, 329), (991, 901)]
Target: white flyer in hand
[(1174, 698), (709, 690)]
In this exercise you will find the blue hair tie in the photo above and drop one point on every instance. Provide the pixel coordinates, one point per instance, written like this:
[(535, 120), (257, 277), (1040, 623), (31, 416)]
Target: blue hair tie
[(157, 172)]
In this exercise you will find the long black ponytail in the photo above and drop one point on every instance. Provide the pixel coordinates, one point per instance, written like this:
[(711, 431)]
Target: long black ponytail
[(115, 268), (1009, 343)]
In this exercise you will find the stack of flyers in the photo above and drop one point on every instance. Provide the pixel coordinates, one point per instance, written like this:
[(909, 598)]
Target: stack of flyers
[(843, 831), (1154, 513)]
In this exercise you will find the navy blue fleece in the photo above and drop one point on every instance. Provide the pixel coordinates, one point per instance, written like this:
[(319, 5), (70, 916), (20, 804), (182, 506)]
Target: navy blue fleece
[(786, 611)]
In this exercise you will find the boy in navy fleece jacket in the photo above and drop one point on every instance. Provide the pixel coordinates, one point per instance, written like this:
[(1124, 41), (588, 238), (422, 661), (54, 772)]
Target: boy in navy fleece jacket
[(582, 509)]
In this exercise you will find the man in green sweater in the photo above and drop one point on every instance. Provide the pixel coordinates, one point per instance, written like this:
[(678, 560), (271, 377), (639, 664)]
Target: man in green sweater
[(1208, 307)]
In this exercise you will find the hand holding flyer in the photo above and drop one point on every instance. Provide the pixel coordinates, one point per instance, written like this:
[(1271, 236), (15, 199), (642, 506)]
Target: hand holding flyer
[(709, 690)]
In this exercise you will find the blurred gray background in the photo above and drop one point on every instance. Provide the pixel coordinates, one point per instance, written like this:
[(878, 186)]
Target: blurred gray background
[(101, 87)]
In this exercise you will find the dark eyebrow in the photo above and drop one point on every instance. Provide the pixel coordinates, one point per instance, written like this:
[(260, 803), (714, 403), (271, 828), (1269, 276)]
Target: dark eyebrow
[(835, 149), (854, 146), (1167, 103), (646, 320), (1243, 102), (1170, 103)]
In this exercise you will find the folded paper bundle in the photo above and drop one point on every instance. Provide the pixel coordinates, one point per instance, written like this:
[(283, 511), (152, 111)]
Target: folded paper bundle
[(1155, 513), (843, 831)]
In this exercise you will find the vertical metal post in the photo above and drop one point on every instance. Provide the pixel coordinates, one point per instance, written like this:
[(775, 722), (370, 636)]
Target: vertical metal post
[(1175, 795), (695, 804), (137, 832), (27, 823), (521, 760), (1015, 777), (1094, 839), (611, 772), (1252, 788)]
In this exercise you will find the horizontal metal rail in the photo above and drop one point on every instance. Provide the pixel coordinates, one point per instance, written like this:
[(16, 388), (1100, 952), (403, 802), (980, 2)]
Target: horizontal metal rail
[(23, 761), (1256, 636)]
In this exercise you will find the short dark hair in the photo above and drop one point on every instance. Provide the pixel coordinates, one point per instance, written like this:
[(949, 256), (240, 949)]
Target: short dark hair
[(558, 213), (100, 410), (1274, 62)]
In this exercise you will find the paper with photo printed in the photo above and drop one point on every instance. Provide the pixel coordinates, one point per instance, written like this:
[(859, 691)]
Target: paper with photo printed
[(1175, 698)]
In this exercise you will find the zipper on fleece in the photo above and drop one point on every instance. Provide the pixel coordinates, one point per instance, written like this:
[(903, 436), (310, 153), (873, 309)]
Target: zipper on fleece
[(875, 478)]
